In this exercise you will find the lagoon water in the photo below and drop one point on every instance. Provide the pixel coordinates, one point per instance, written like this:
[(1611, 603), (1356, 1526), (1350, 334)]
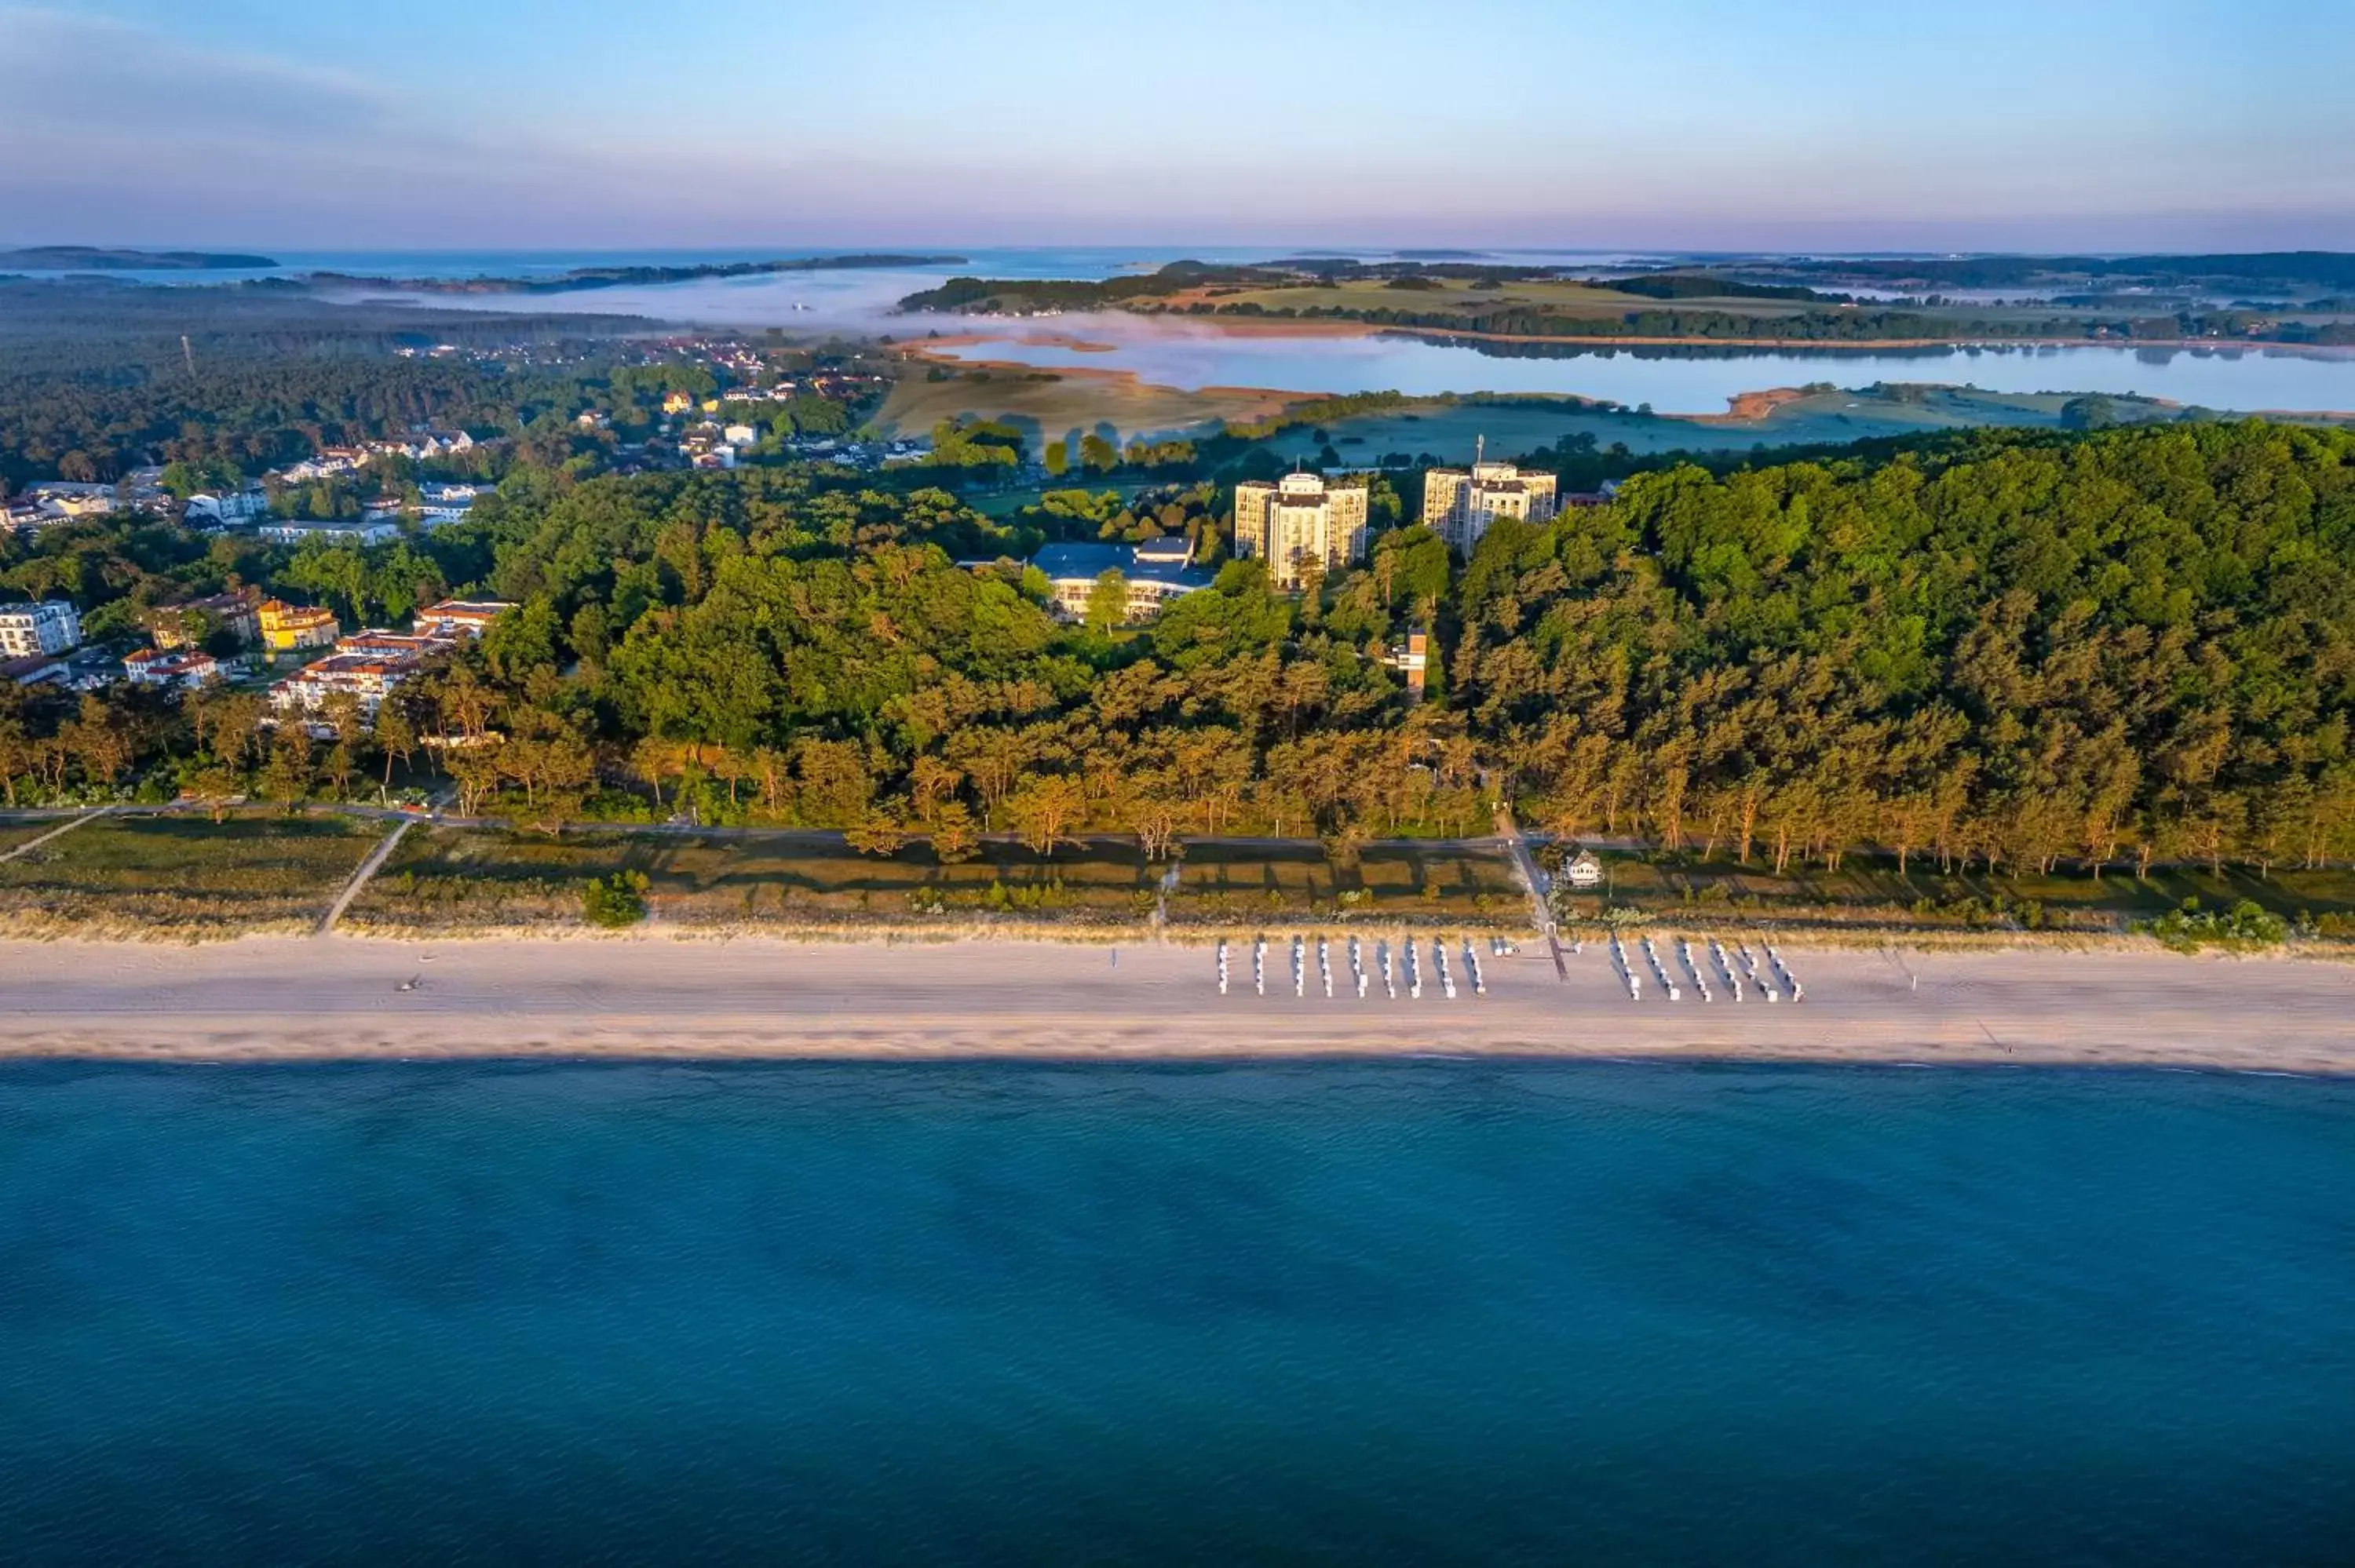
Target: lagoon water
[(1406, 1311), (1192, 354), (1677, 379)]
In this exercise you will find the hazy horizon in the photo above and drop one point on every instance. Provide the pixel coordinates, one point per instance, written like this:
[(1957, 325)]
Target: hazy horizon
[(1696, 125)]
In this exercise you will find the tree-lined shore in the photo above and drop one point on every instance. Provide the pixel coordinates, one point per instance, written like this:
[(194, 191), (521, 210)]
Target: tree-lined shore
[(2028, 652)]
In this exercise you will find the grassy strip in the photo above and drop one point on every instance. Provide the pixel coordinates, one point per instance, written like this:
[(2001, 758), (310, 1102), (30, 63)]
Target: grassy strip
[(1868, 891), (184, 875), (456, 879), (14, 831), (1221, 885)]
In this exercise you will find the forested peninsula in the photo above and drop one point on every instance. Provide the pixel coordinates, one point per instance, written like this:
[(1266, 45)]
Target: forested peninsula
[(93, 259), (1749, 303)]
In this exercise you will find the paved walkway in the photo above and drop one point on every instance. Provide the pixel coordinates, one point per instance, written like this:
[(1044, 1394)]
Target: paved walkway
[(1527, 869), (369, 868), (52, 833)]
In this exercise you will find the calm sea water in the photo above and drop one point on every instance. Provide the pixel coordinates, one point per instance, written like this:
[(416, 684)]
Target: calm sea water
[(1429, 1311)]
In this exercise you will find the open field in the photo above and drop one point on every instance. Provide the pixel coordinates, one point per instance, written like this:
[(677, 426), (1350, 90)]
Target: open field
[(641, 995), (1050, 406), (1868, 891), (1449, 431), (185, 876), (1004, 503)]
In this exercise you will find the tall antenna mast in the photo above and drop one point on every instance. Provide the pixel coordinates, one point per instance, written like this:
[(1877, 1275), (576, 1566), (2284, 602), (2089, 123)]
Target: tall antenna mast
[(1479, 445), (187, 353)]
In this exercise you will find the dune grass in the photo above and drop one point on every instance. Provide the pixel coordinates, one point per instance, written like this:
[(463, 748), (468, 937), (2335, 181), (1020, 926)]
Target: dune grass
[(185, 876), (1869, 891), (14, 831), (1226, 884), (457, 878)]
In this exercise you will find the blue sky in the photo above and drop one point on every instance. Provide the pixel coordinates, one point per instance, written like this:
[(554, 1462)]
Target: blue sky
[(1698, 123)]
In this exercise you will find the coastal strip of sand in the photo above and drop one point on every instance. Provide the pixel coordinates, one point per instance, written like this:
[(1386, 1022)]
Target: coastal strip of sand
[(289, 998)]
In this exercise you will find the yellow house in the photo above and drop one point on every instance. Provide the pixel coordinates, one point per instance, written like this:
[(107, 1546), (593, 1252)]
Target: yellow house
[(292, 627), (677, 403)]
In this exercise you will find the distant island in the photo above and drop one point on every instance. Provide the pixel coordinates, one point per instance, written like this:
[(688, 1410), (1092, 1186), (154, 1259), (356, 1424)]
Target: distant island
[(90, 258), (580, 277)]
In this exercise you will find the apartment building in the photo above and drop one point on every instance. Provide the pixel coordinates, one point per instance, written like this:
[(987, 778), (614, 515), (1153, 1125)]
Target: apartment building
[(1299, 520), (339, 531), (1458, 504), (51, 626), (366, 676), (161, 668), (460, 617), (292, 627)]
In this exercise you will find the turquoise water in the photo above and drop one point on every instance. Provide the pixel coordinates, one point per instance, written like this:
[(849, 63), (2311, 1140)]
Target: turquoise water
[(1412, 1311)]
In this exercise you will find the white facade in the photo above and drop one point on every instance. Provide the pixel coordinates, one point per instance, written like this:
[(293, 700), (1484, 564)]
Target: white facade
[(366, 676), (460, 617), (49, 627), (1459, 506), (237, 506), (185, 667), (1300, 521), (295, 532)]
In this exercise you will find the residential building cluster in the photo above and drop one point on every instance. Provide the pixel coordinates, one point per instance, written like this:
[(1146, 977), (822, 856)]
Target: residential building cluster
[(437, 503), (331, 463), (367, 665)]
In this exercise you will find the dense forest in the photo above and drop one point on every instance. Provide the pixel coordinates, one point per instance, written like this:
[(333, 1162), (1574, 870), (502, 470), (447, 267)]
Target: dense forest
[(2014, 650)]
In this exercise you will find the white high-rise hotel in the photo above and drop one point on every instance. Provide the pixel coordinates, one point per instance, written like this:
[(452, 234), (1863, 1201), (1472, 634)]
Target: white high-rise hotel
[(1458, 505), (1299, 520)]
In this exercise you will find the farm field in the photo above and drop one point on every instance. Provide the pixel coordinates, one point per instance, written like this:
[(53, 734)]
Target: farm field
[(185, 875)]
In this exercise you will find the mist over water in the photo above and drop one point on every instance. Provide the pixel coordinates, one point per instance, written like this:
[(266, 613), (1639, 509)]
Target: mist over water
[(1192, 353), (1002, 1312)]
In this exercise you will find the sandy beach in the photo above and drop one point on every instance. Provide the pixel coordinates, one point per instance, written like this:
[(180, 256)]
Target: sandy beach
[(287, 998)]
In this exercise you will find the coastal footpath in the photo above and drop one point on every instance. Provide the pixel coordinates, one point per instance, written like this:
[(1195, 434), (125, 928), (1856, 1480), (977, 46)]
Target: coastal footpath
[(269, 998)]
